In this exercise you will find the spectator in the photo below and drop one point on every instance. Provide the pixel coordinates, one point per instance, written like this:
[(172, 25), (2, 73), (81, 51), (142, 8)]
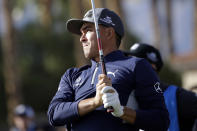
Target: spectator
[(23, 118), (181, 104)]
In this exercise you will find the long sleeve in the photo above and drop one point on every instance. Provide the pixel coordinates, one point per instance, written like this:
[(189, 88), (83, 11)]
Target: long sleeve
[(187, 108), (63, 109), (152, 113)]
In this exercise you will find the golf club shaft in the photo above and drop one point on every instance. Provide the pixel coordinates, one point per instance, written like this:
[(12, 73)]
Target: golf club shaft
[(109, 109), (99, 40)]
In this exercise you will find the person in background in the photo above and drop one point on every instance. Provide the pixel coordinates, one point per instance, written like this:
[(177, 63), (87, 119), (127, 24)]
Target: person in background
[(181, 103), (194, 89), (195, 126), (23, 118)]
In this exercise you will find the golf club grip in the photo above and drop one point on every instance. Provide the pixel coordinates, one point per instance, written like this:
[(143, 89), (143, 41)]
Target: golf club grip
[(109, 109), (103, 65)]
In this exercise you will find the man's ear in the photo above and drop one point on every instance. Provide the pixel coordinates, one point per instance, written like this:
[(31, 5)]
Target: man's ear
[(109, 32)]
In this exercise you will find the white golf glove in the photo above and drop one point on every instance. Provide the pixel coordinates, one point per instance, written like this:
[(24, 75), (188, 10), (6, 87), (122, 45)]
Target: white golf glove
[(112, 99)]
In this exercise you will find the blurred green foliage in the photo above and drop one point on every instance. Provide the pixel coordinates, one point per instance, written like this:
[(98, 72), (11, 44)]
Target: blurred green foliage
[(44, 57), (3, 110), (170, 76), (44, 54), (129, 40)]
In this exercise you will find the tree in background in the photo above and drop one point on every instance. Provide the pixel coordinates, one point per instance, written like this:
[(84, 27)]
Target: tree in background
[(169, 75), (156, 25), (116, 5), (45, 54), (76, 10), (195, 24), (41, 55), (169, 26), (100, 3), (46, 18), (9, 50)]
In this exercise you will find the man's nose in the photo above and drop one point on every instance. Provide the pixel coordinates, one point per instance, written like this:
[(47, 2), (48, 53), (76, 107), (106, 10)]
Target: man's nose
[(82, 38)]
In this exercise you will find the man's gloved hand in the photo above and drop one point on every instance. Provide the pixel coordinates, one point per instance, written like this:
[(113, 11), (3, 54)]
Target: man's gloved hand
[(110, 98)]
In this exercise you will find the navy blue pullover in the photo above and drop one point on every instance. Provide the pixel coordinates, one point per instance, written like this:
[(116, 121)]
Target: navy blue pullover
[(127, 74)]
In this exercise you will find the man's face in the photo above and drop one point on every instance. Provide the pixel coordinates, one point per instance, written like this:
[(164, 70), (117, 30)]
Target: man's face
[(89, 41), (22, 122)]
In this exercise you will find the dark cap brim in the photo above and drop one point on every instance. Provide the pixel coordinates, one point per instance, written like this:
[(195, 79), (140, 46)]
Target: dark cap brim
[(74, 25)]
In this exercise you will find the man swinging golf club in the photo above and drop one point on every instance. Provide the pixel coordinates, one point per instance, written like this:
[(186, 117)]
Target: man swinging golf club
[(85, 93)]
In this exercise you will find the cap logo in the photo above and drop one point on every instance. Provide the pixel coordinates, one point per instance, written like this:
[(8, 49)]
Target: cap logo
[(108, 20), (152, 56)]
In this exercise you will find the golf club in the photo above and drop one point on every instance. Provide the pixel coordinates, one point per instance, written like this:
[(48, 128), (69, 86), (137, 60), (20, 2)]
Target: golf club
[(109, 109)]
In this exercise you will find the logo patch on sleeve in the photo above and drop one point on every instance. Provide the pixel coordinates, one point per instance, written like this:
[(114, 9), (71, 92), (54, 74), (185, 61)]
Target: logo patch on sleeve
[(78, 82), (157, 87)]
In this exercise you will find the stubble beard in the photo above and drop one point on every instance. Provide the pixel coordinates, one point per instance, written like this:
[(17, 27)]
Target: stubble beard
[(91, 55)]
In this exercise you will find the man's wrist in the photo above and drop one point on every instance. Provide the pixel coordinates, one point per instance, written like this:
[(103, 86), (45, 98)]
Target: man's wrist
[(129, 115), (96, 103), (87, 105), (119, 112)]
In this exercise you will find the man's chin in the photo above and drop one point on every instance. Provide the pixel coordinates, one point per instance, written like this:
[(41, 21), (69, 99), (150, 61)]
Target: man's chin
[(87, 56), (90, 58)]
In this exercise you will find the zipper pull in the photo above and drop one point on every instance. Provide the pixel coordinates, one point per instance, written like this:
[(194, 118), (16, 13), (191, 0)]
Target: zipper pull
[(94, 74)]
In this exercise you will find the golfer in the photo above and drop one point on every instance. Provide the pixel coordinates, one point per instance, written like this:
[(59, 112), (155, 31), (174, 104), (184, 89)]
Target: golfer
[(85, 93)]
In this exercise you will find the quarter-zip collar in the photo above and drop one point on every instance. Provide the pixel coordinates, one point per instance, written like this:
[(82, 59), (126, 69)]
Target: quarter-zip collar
[(94, 65), (113, 56)]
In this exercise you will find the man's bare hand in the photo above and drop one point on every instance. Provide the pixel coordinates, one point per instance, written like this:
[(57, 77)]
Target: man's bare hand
[(103, 81)]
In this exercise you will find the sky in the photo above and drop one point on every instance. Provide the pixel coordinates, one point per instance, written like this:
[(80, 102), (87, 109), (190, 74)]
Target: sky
[(139, 21)]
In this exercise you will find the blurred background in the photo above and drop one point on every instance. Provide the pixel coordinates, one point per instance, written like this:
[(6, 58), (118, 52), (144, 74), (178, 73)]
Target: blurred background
[(36, 49)]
